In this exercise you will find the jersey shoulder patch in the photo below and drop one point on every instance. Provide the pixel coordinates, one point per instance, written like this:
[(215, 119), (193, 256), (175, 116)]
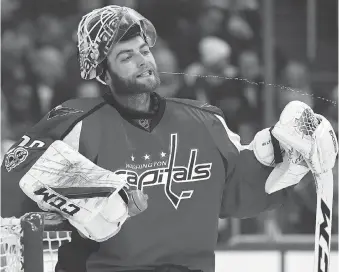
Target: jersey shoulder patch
[(80, 105), (197, 105), (74, 106), (62, 111), (68, 114)]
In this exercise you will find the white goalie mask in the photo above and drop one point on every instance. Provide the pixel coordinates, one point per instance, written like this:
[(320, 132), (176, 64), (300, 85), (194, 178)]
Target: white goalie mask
[(101, 29)]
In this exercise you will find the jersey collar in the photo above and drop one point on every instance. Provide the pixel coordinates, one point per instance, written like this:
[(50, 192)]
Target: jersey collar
[(158, 105)]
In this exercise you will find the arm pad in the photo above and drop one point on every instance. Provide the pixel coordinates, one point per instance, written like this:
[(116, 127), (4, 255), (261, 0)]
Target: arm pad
[(286, 173)]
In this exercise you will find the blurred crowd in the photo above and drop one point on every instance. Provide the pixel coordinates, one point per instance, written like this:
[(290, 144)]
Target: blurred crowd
[(213, 47)]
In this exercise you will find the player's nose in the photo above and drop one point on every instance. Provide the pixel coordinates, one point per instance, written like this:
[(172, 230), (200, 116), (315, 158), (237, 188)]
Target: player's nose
[(140, 60)]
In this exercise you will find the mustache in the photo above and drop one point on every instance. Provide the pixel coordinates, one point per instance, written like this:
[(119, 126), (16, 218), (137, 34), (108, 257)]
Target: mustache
[(125, 85), (150, 67)]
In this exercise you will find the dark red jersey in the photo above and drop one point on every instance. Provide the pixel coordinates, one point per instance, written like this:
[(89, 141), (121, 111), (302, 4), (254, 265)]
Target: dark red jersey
[(192, 167)]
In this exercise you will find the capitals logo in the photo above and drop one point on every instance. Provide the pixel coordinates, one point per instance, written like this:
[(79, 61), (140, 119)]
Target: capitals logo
[(170, 174)]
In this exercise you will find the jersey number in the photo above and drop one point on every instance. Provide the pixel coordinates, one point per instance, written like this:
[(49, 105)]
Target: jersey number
[(28, 143)]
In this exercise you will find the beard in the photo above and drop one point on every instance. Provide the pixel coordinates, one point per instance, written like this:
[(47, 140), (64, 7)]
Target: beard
[(129, 86)]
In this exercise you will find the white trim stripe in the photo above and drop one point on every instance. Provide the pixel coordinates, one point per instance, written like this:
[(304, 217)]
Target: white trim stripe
[(234, 138), (73, 138)]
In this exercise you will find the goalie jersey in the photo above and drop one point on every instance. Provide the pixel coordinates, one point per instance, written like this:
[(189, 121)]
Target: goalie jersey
[(192, 167)]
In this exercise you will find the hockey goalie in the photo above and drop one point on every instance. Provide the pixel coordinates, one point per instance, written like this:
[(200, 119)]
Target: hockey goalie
[(143, 179)]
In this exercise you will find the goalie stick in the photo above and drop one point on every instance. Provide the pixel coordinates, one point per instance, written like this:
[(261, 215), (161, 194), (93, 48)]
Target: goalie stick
[(310, 134), (324, 185), (307, 125)]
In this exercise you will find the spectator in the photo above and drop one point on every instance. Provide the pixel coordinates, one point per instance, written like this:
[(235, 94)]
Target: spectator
[(49, 67), (212, 80), (6, 132), (23, 105), (213, 65), (212, 21), (296, 78), (9, 9), (167, 62), (177, 23), (53, 31), (88, 89), (16, 45), (237, 22), (250, 73)]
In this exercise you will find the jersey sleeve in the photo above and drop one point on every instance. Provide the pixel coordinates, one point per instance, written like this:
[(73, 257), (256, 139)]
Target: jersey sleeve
[(62, 123), (244, 189)]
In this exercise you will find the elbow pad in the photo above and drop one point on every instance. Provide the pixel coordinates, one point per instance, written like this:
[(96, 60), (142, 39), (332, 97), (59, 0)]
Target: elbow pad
[(287, 172), (262, 146)]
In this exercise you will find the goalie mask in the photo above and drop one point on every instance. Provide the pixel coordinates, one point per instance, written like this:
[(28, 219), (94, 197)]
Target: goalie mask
[(101, 29)]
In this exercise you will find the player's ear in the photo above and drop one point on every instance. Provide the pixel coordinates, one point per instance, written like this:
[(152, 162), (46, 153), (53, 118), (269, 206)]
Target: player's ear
[(107, 76), (105, 73)]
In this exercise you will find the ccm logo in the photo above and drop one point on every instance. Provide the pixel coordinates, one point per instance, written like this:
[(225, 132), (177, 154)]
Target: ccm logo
[(334, 141), (57, 201), (324, 249)]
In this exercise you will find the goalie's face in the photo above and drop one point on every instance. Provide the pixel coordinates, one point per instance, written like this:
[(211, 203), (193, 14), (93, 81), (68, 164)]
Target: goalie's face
[(131, 67)]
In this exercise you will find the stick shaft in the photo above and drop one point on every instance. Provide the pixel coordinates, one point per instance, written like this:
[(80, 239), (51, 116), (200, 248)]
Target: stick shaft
[(323, 221)]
